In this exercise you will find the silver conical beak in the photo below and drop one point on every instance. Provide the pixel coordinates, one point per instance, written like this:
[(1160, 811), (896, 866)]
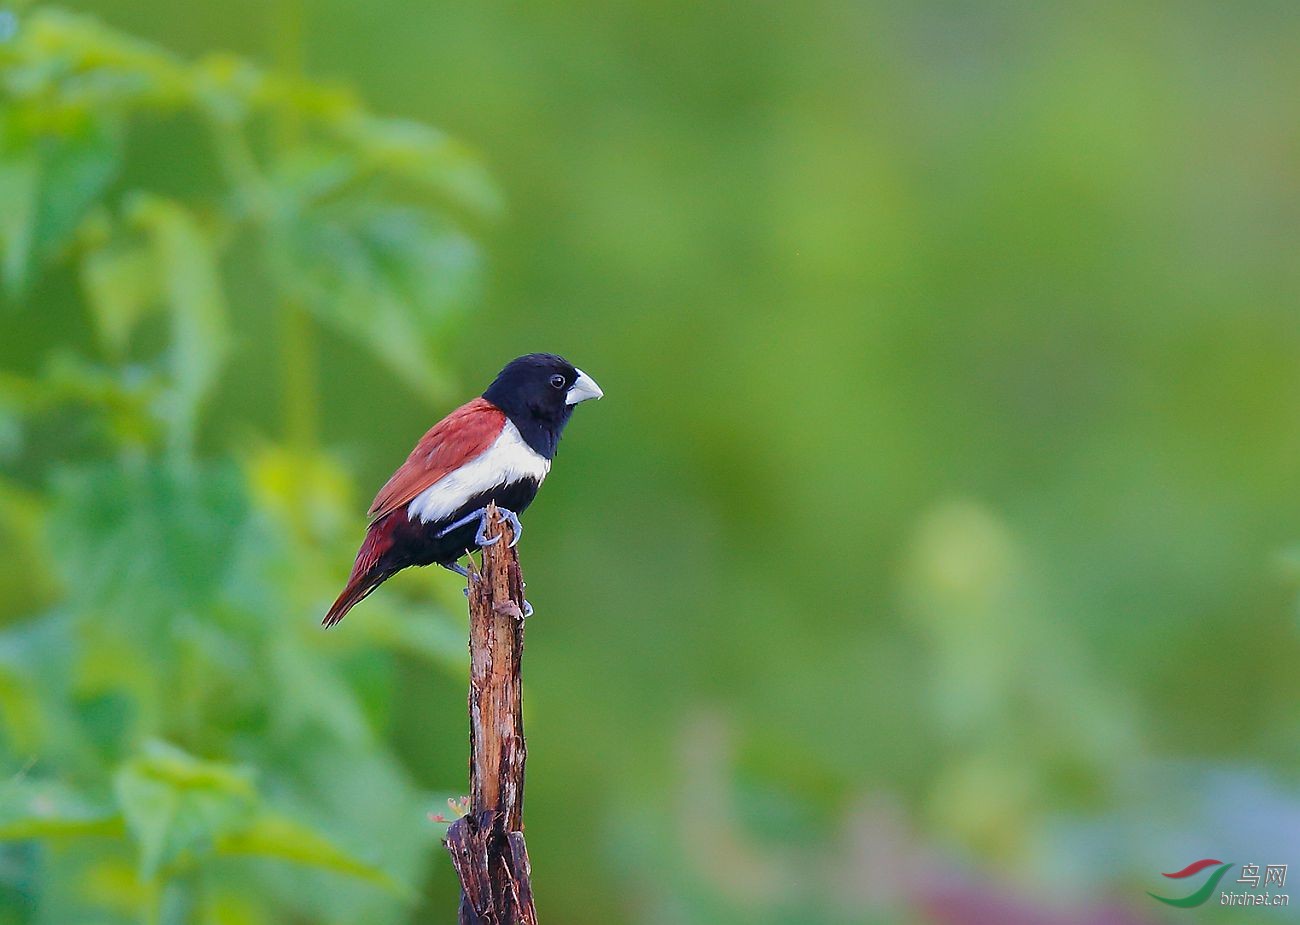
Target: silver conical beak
[(583, 388)]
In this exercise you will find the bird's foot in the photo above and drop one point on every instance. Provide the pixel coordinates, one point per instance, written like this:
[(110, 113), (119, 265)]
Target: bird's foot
[(463, 572), (512, 518), (480, 515), (459, 569)]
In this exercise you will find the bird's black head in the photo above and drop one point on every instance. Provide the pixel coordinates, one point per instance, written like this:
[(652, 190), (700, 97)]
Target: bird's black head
[(537, 392)]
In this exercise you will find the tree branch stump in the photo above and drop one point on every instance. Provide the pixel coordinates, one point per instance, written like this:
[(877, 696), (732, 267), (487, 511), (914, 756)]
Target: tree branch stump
[(487, 845)]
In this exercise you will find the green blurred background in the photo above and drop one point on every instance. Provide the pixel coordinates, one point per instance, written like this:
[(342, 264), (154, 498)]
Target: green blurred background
[(932, 558)]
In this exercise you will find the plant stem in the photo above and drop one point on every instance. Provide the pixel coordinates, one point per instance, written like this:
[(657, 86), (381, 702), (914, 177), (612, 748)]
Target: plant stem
[(298, 374), (297, 336), (487, 846)]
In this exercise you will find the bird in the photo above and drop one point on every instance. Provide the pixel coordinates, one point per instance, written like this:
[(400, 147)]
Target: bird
[(496, 448)]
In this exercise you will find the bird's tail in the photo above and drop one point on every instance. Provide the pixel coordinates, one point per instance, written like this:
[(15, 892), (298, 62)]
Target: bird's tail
[(368, 573), (355, 592)]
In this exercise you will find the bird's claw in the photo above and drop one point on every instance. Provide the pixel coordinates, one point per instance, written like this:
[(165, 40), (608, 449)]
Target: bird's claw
[(509, 517), (480, 538), (512, 518)]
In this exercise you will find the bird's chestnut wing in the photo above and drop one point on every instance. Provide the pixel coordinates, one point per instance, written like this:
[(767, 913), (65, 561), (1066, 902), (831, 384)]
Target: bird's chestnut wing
[(449, 444)]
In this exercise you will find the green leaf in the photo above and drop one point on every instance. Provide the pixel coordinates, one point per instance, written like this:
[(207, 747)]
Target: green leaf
[(49, 180), (387, 276), (69, 65), (192, 289), (27, 582), (121, 284), (46, 809), (275, 836), (19, 710), (76, 170), (429, 159), (139, 546), (175, 804), (19, 190)]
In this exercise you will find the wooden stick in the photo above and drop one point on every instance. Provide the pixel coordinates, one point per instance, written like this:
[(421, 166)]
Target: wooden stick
[(487, 845)]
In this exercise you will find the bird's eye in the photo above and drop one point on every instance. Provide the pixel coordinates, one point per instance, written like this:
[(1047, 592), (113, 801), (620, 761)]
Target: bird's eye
[(557, 381)]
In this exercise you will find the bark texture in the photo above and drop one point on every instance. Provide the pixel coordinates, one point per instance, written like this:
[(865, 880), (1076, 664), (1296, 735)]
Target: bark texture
[(487, 845)]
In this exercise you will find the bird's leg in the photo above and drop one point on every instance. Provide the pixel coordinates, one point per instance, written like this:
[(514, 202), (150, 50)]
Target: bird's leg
[(480, 515), (462, 571), (456, 567), (468, 518)]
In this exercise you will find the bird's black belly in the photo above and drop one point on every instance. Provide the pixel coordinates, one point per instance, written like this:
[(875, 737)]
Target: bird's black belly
[(424, 546)]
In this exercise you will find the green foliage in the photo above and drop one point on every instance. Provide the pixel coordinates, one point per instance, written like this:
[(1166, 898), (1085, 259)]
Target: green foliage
[(174, 722), (174, 805), (349, 214)]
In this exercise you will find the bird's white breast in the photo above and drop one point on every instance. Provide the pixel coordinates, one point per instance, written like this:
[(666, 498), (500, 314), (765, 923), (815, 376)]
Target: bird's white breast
[(509, 459)]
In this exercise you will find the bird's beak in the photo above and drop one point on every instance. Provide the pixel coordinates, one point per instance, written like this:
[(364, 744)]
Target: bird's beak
[(583, 388)]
